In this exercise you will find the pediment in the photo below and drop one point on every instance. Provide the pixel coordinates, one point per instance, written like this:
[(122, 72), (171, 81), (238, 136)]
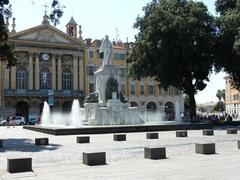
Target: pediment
[(45, 33)]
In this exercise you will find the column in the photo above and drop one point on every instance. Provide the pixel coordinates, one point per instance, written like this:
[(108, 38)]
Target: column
[(81, 74), (6, 76), (59, 73), (54, 57), (30, 71), (13, 77), (37, 72), (75, 73)]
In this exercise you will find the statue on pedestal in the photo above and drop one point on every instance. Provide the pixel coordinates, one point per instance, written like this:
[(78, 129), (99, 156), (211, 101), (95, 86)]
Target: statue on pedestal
[(106, 48)]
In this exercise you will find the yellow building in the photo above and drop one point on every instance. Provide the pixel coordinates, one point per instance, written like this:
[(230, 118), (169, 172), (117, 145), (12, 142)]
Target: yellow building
[(145, 93), (232, 98), (50, 67)]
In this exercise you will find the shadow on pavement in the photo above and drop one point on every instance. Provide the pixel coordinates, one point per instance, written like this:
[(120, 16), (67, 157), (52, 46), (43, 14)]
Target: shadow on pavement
[(25, 145)]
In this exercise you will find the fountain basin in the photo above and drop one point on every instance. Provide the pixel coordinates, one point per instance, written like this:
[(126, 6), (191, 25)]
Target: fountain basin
[(116, 129)]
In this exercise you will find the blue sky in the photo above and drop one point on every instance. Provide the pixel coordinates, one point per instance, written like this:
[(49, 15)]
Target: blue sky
[(101, 17)]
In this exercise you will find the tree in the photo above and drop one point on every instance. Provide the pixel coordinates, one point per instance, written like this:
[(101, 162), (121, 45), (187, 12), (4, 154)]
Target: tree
[(6, 50), (57, 12), (228, 39), (223, 95), (219, 94), (220, 106), (175, 46)]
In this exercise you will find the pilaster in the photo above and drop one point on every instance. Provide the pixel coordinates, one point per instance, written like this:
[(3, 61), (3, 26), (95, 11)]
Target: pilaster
[(37, 71), (13, 77), (59, 74), (75, 73), (54, 57), (30, 71)]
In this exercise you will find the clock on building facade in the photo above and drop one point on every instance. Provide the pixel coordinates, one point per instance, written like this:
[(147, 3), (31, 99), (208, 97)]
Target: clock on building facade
[(45, 56)]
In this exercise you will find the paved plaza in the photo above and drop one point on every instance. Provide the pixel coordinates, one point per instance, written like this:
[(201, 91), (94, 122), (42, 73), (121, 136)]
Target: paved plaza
[(62, 158)]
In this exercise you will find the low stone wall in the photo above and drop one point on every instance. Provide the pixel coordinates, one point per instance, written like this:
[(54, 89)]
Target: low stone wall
[(116, 129)]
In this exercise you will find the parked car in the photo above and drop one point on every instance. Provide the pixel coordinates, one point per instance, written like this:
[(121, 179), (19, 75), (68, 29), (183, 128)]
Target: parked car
[(32, 119), (19, 120)]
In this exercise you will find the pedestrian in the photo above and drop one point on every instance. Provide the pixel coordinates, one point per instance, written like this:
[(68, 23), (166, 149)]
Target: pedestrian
[(38, 120), (8, 122), (13, 121)]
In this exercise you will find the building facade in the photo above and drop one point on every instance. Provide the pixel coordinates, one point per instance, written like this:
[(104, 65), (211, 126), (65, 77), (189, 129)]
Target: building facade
[(58, 67), (145, 94), (232, 98), (50, 67)]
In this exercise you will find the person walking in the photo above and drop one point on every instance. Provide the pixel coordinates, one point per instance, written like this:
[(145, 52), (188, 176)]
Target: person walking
[(8, 122), (13, 121)]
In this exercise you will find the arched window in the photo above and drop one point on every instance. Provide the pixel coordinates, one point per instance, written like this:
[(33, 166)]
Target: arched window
[(152, 106), (21, 77), (45, 79), (133, 104), (67, 80)]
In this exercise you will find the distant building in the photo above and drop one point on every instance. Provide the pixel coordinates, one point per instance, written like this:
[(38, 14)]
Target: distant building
[(206, 107), (232, 98)]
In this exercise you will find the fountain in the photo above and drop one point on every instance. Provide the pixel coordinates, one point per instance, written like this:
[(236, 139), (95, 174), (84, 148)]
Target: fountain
[(106, 106), (105, 111)]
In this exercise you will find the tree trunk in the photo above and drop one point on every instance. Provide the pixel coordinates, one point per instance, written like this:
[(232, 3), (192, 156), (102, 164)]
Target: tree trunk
[(192, 104)]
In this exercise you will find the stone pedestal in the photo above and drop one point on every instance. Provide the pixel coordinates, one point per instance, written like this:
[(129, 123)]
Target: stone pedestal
[(83, 139), (208, 132), (181, 134), (119, 137), (15, 165), (152, 135), (102, 75), (232, 131), (1, 143), (155, 152), (92, 159), (208, 148), (41, 141)]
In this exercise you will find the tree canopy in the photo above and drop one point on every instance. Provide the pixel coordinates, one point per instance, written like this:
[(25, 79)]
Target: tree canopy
[(228, 39), (56, 13), (6, 50), (175, 46)]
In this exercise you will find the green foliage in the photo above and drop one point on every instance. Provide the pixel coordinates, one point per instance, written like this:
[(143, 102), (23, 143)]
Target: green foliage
[(228, 39), (221, 94), (6, 50), (175, 45), (223, 6), (56, 13), (220, 106)]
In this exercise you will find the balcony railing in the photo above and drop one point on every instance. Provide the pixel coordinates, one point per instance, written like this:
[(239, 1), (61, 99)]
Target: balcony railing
[(26, 92)]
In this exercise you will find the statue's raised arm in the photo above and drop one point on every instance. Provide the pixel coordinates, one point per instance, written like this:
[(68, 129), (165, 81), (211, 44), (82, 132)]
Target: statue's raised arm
[(106, 48)]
